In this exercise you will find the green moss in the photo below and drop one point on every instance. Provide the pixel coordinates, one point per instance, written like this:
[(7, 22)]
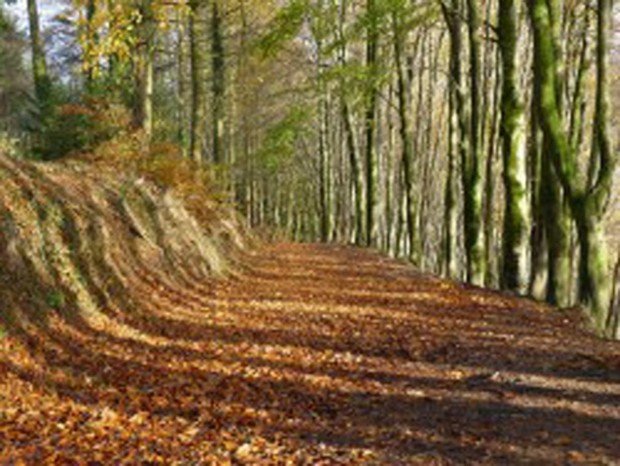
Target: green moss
[(55, 299)]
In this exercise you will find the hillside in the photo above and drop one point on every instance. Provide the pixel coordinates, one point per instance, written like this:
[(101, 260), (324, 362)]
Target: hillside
[(136, 333), (82, 238)]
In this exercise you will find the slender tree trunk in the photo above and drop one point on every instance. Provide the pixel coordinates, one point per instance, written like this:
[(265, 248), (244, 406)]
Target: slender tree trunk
[(42, 82), (91, 40), (182, 94), (427, 154), (356, 172), (324, 166), (557, 231), (538, 239), (113, 73), (324, 201), (357, 175), (198, 63), (490, 100), (577, 106), (450, 204), (218, 83), (471, 164), (490, 183), (423, 115), (470, 169), (143, 115), (372, 40), (406, 141), (513, 131)]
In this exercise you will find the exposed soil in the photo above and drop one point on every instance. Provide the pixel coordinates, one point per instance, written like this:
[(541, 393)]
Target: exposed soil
[(314, 355)]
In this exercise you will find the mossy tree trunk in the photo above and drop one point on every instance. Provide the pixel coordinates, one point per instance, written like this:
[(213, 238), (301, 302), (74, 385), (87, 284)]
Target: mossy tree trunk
[(595, 282), (41, 79), (538, 239), (458, 130), (557, 225), (471, 163), (514, 150), (587, 203)]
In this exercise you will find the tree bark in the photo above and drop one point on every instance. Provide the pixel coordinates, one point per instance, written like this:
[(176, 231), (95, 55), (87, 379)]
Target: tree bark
[(183, 120), (406, 141), (198, 63), (42, 82), (587, 203), (471, 164), (450, 204), (144, 71), (218, 83), (514, 150), (372, 40)]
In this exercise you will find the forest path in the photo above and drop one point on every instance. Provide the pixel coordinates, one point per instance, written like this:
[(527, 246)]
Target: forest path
[(316, 355)]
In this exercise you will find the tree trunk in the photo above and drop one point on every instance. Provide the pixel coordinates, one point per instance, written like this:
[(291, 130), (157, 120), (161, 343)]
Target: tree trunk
[(557, 231), (595, 283), (356, 172), (183, 120), (91, 39), (143, 111), (370, 123), (219, 81), (450, 214), (587, 203), (406, 142), (490, 183), (198, 63), (324, 166), (471, 163), (513, 131), (357, 175), (42, 83)]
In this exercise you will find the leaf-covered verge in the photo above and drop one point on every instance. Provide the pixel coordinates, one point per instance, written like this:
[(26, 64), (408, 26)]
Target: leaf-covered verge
[(125, 350)]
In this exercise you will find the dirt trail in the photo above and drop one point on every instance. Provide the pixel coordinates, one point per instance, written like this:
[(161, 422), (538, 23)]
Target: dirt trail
[(315, 355)]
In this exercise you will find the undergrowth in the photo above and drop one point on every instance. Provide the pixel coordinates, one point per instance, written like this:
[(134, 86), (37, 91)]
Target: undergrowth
[(196, 184)]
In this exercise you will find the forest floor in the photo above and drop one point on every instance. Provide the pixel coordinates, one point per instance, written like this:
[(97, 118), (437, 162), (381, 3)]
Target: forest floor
[(314, 355)]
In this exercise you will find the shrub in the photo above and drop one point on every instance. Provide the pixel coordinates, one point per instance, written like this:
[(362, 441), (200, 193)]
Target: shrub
[(192, 182), (78, 127), (55, 299)]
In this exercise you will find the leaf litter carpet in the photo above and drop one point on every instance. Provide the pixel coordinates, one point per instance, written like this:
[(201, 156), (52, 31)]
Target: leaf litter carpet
[(314, 355)]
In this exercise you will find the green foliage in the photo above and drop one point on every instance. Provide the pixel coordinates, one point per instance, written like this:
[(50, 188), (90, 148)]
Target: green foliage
[(55, 299), (13, 78), (280, 144), (387, 17), (285, 27), (77, 127)]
